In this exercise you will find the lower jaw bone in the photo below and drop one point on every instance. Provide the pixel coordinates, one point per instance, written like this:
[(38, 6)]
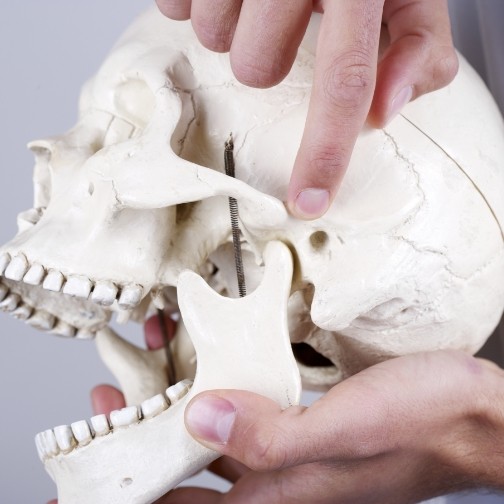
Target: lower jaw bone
[(240, 343)]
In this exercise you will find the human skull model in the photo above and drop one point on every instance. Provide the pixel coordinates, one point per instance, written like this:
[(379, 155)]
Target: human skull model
[(409, 258)]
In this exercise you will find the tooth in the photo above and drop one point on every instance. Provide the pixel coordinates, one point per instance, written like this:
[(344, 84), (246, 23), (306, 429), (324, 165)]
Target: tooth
[(42, 320), (64, 329), (104, 293), (178, 391), (124, 417), (31, 216), (40, 447), (64, 438), (4, 290), (49, 443), (131, 295), (154, 406), (10, 303), (82, 432), (54, 281), (78, 286), (85, 334), (4, 262), (23, 312), (17, 268), (100, 425), (35, 275)]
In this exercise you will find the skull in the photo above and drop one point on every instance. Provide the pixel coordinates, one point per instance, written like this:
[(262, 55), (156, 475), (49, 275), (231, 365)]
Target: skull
[(409, 258)]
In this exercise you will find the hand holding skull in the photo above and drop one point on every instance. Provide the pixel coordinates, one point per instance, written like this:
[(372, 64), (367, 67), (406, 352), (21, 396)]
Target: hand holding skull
[(357, 76)]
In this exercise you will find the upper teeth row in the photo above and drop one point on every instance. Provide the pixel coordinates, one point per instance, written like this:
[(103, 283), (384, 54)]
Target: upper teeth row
[(103, 293), (64, 439), (39, 319)]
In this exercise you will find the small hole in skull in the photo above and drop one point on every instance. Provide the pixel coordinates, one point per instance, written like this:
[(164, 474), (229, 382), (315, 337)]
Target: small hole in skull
[(319, 239), (126, 482), (308, 356), (91, 189)]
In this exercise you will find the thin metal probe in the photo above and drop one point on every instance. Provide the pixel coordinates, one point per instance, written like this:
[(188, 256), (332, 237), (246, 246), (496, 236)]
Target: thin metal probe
[(233, 209), (166, 342)]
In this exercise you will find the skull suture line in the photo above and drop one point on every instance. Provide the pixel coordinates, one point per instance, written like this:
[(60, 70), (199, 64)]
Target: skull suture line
[(410, 258)]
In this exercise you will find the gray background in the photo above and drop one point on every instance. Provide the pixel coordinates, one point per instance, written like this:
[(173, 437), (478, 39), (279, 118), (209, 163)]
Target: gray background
[(47, 50)]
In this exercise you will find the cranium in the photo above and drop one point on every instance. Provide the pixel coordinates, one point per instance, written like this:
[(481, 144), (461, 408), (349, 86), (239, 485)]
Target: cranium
[(409, 258)]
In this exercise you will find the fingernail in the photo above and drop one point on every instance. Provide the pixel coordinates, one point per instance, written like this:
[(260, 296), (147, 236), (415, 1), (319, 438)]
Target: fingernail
[(399, 101), (211, 419), (311, 203)]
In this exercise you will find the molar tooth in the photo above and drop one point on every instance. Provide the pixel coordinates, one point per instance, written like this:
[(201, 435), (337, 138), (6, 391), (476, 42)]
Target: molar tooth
[(176, 392), (23, 312), (131, 296), (78, 286), (100, 425), (154, 406), (82, 432), (4, 290), (104, 293), (40, 447), (42, 320), (64, 329), (4, 262), (64, 438), (10, 303), (54, 281), (124, 417), (85, 334), (35, 275), (17, 268), (49, 443)]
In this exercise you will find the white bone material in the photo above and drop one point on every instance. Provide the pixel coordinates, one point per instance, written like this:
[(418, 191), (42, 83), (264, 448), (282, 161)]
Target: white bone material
[(409, 258)]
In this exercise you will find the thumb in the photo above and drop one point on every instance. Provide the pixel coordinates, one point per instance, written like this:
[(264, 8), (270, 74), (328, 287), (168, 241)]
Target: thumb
[(251, 429)]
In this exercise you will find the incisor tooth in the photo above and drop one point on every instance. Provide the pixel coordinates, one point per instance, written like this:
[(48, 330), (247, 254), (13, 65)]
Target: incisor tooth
[(17, 268), (124, 417), (78, 286), (10, 303), (4, 262), (54, 281), (35, 275), (154, 406), (176, 392), (64, 438), (49, 443), (82, 432), (104, 293), (100, 425), (42, 320), (4, 290), (131, 296), (23, 312)]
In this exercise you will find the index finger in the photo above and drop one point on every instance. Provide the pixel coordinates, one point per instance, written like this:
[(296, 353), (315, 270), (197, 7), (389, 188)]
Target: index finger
[(343, 86)]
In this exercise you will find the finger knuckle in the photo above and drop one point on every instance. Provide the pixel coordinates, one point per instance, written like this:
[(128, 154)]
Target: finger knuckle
[(349, 80), (268, 452), (445, 67), (327, 162)]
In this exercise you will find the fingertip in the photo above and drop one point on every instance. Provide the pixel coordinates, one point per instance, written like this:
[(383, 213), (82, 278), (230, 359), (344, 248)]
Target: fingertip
[(106, 398), (153, 332), (310, 203), (178, 10)]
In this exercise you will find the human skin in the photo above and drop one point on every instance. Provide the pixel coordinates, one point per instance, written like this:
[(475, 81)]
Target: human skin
[(353, 82), (399, 432)]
